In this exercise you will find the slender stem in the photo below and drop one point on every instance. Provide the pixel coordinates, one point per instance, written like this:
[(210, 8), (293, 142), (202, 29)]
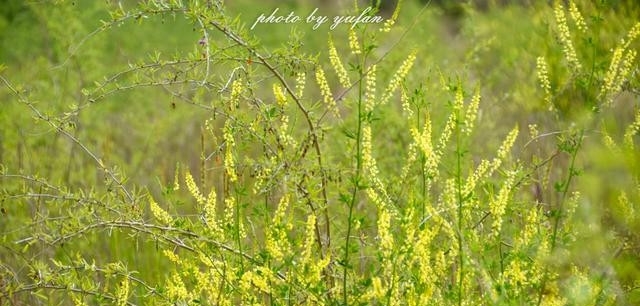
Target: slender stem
[(558, 213), (356, 187), (459, 200)]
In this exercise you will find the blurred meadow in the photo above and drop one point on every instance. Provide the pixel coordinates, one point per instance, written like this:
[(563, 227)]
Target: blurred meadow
[(161, 152)]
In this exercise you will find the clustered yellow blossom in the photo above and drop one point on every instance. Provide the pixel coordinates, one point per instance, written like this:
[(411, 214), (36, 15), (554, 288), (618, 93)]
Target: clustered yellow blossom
[(209, 212), (176, 289), (251, 279), (626, 207), (281, 99), (78, 300), (312, 269), (276, 241), (326, 92), (533, 131), (284, 119), (404, 100), (172, 256), (384, 232), (481, 172), (398, 76), (236, 92), (336, 63), (515, 275), (262, 176), (472, 112), (609, 142), (507, 143), (193, 188), (423, 141), (378, 291), (449, 127), (582, 288), (391, 21), (577, 17), (122, 293), (371, 168), (229, 213), (229, 159), (412, 156), (370, 90), (498, 205), (530, 227), (159, 213), (543, 78), (301, 78), (354, 45), (565, 38), (176, 181), (486, 168)]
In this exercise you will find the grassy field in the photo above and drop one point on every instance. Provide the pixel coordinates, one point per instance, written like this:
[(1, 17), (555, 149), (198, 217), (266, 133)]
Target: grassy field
[(165, 153)]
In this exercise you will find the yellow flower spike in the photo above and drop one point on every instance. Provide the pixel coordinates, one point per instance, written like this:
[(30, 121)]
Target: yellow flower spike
[(122, 293), (193, 188), (354, 45), (210, 216), (446, 134), (391, 21), (632, 130), (236, 92), (472, 112), (176, 180), (281, 99), (565, 38), (497, 207), (301, 78), (326, 92), (336, 63), (176, 289), (543, 78), (229, 159), (577, 17), (370, 89), (277, 242), (406, 108), (172, 256), (159, 213), (504, 149), (398, 76), (384, 232)]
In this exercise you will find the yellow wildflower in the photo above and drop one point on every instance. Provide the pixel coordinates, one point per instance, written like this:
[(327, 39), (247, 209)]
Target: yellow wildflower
[(193, 188), (370, 90), (122, 293), (565, 38), (326, 92), (472, 112), (159, 213), (229, 159), (398, 76), (543, 78), (301, 78), (577, 17), (354, 45), (632, 130), (391, 21), (336, 63)]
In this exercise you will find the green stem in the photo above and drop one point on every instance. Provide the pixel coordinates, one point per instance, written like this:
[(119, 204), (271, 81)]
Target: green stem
[(459, 196), (558, 212), (356, 187)]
